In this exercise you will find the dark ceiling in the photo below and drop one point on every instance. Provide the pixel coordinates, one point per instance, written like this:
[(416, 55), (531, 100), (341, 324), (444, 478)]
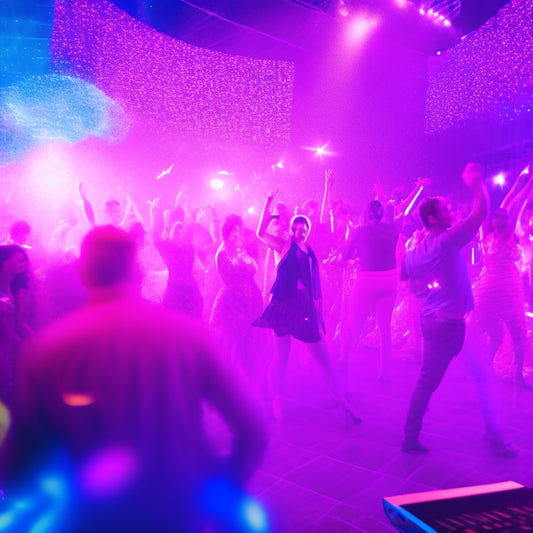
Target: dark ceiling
[(281, 29)]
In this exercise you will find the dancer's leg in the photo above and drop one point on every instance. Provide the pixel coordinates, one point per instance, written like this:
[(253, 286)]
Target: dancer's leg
[(384, 309), (278, 366), (359, 306), (516, 324), (319, 351), (479, 364), (442, 342)]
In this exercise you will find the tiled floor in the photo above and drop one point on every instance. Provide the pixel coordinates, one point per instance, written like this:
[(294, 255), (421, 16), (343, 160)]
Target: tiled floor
[(321, 477)]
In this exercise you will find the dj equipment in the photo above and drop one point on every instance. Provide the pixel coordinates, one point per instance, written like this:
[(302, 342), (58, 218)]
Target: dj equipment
[(498, 507)]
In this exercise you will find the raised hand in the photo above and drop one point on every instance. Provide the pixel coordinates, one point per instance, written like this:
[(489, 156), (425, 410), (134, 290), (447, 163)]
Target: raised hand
[(273, 193), (155, 203), (472, 175)]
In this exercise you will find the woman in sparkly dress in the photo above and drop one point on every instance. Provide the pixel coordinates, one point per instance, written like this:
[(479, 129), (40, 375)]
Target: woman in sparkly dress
[(178, 253), (239, 300), (499, 293)]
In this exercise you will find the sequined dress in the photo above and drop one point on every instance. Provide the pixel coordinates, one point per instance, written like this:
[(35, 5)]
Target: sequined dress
[(499, 292), (237, 303)]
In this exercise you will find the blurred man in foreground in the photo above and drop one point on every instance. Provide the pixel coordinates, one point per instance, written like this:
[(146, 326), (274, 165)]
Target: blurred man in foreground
[(111, 399)]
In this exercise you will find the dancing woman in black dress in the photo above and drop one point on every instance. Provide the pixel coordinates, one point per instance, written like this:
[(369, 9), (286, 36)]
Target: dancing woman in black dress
[(295, 308)]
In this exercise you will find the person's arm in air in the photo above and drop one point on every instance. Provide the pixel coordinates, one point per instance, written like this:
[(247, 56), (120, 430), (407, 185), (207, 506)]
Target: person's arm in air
[(463, 232), (87, 207), (273, 241), (516, 198)]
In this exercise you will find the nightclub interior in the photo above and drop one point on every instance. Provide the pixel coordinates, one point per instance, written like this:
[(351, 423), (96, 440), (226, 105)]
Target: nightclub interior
[(266, 266)]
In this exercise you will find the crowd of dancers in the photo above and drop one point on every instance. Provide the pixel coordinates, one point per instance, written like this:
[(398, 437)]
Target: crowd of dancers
[(108, 388), (301, 273)]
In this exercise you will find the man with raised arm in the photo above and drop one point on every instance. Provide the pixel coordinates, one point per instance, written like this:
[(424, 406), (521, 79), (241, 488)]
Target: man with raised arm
[(437, 261)]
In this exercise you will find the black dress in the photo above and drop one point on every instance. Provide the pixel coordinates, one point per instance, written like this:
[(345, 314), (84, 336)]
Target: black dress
[(294, 307)]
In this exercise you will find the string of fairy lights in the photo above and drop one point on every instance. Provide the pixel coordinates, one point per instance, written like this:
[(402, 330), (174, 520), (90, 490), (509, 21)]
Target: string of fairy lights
[(488, 75), (199, 91)]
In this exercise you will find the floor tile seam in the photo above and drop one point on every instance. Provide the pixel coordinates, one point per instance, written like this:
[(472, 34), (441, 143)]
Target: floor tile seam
[(333, 500), (338, 518), (321, 494), (365, 468), (325, 456), (307, 463), (389, 461), (300, 448)]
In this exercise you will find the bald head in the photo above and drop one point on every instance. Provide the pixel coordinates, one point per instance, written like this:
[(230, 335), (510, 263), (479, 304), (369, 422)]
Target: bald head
[(107, 257)]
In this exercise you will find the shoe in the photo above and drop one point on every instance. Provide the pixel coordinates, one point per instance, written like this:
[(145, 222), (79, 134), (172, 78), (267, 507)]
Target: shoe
[(349, 413), (383, 378), (500, 448), (505, 451), (277, 409), (520, 380), (384, 375), (414, 446)]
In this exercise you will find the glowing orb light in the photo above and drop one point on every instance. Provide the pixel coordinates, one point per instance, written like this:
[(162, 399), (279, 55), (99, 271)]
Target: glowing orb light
[(499, 179), (216, 184)]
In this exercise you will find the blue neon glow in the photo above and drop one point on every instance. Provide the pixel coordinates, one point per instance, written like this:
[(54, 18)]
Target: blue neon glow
[(225, 503), (52, 107), (254, 516)]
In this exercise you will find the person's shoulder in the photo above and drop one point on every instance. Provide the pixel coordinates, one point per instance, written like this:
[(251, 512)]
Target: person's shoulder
[(449, 237)]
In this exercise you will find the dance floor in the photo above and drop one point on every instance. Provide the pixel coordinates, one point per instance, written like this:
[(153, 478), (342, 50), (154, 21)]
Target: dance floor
[(320, 476)]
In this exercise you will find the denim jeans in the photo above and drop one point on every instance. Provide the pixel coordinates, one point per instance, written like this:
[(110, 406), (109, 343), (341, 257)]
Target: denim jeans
[(443, 340)]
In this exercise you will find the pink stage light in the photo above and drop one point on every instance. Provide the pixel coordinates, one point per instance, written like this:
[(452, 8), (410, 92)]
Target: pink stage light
[(447, 23), (319, 151), (251, 210), (422, 11), (360, 27)]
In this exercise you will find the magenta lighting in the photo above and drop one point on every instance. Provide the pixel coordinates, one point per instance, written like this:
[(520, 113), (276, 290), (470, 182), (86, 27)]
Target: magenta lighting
[(487, 74), (360, 27), (197, 91)]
